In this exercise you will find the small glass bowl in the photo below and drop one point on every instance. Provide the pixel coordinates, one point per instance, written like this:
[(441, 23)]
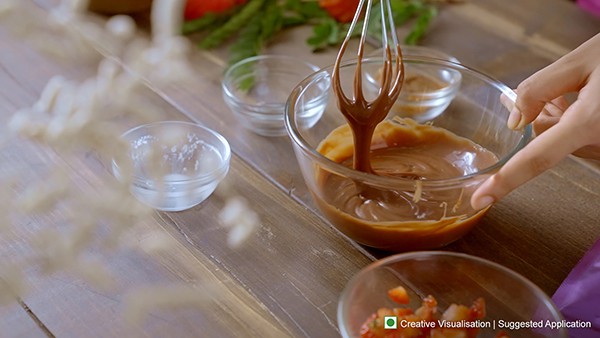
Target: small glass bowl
[(173, 165), (426, 92), (450, 278), (257, 88)]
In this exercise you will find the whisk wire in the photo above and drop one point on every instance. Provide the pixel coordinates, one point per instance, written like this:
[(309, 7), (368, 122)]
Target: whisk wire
[(391, 79), (358, 111)]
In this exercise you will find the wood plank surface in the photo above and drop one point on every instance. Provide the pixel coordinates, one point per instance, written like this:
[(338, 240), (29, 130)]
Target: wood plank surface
[(281, 300), (287, 279), (519, 219), (17, 321)]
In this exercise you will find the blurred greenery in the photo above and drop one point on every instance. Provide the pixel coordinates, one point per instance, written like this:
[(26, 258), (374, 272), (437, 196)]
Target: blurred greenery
[(253, 25)]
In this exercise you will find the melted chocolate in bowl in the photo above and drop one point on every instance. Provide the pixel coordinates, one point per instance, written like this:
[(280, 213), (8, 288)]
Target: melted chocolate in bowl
[(402, 149), (418, 194)]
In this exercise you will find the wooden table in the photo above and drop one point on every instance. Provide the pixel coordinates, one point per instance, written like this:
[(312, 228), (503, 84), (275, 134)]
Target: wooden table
[(287, 279)]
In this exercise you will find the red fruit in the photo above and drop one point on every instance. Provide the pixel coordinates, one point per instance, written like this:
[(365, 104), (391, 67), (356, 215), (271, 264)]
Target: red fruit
[(341, 10), (399, 295), (197, 8)]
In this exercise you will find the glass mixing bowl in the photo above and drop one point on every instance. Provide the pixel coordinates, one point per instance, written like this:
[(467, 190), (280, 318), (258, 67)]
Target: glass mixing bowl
[(451, 278), (425, 212)]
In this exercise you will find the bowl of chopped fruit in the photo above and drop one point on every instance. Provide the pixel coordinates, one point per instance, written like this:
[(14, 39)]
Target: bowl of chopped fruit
[(444, 294), (397, 184)]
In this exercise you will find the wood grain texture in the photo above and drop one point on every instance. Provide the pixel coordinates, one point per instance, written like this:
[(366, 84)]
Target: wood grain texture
[(17, 321), (507, 46), (262, 292)]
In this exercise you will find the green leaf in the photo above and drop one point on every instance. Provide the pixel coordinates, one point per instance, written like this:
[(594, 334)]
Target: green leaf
[(421, 25), (248, 42), (256, 22), (271, 21), (405, 10), (233, 25), (324, 34), (252, 38), (201, 23), (306, 9), (293, 20)]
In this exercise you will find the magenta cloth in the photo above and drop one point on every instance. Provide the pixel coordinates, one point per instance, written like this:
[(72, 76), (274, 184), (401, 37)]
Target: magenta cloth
[(592, 6), (578, 297)]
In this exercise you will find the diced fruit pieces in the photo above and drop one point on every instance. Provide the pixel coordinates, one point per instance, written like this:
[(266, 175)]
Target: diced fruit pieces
[(399, 295)]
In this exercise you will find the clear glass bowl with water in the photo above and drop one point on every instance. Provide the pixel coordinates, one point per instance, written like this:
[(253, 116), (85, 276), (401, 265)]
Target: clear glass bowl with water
[(173, 165)]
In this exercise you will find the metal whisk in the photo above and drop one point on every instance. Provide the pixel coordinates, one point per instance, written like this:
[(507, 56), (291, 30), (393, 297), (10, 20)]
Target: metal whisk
[(363, 115)]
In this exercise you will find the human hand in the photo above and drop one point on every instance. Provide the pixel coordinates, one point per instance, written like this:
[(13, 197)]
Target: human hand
[(562, 129)]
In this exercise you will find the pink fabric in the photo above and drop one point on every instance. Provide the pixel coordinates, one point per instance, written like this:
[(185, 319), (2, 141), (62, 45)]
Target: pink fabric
[(592, 6), (578, 298)]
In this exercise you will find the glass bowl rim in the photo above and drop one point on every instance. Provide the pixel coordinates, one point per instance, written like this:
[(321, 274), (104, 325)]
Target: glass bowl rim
[(449, 90), (208, 177), (355, 280), (338, 168), (418, 51), (228, 80)]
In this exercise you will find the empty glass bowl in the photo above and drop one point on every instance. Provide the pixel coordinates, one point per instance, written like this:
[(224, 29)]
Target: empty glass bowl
[(427, 91), (256, 90), (451, 278), (417, 206), (173, 165)]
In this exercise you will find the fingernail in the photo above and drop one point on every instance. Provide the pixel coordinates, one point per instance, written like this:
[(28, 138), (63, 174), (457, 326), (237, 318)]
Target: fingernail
[(521, 124), (483, 202), (514, 119)]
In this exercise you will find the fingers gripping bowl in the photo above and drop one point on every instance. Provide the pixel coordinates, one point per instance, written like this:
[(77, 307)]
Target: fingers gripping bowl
[(419, 200)]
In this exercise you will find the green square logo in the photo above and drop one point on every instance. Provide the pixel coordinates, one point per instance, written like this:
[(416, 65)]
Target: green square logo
[(390, 322)]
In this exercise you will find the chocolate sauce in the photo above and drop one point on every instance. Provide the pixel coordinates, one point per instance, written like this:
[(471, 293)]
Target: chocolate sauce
[(362, 115), (395, 218), (408, 213)]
